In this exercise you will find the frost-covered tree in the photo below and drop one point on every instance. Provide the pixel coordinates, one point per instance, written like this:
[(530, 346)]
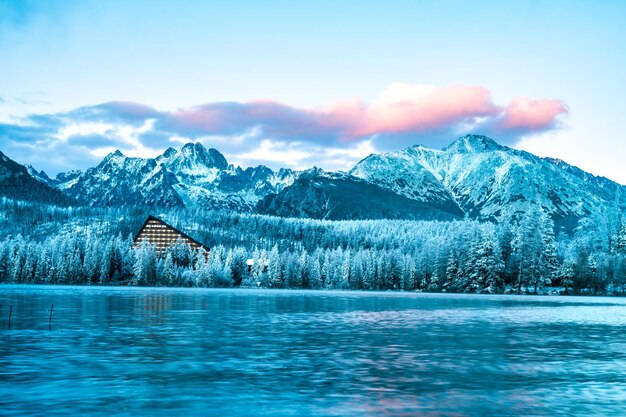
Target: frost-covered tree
[(104, 273), (145, 265), (435, 279), (525, 246), (408, 274), (565, 277), (621, 238), (325, 275), (274, 269), (345, 271), (547, 257), (315, 274), (369, 274), (169, 270), (205, 272), (452, 273), (91, 245), (302, 279)]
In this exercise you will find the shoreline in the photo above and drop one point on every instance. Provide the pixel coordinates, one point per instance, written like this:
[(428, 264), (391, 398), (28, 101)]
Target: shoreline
[(303, 290)]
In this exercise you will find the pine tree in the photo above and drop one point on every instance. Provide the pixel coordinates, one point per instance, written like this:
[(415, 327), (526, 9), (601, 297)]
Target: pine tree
[(239, 267), (16, 259), (345, 271), (369, 276), (491, 264), (3, 261), (452, 273), (592, 265), (315, 274), (169, 271), (274, 270), (547, 266), (486, 265), (526, 244), (203, 270), (30, 263), (127, 256), (325, 276), (42, 271), (303, 270), (621, 237), (475, 269), (381, 282), (565, 276), (145, 265), (229, 279), (434, 285), (259, 265), (256, 268), (105, 263), (291, 271), (408, 274)]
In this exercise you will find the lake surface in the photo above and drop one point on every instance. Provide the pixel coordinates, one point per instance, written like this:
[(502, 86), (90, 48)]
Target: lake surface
[(171, 352)]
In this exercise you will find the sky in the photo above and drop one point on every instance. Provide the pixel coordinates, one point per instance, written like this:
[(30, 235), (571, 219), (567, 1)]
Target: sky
[(297, 84)]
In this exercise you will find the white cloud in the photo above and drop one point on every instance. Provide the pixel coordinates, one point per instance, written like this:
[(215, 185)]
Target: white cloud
[(303, 155), (290, 154)]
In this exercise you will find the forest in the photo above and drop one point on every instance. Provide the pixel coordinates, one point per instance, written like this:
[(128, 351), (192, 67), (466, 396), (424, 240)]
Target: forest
[(44, 244)]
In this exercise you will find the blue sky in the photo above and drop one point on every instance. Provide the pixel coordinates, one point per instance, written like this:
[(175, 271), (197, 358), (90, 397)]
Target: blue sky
[(296, 84)]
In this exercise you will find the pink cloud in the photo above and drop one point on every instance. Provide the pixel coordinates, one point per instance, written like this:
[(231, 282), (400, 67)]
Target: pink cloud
[(528, 114), (399, 109), (403, 108)]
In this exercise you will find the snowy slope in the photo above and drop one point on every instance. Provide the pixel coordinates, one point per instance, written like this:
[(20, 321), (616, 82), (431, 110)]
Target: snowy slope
[(340, 196), (407, 174), (493, 182)]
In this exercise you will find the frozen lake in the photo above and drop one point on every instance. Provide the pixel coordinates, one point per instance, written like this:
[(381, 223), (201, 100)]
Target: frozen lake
[(170, 352)]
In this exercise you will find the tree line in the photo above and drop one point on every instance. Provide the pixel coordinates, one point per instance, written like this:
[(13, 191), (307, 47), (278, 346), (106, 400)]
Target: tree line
[(93, 246)]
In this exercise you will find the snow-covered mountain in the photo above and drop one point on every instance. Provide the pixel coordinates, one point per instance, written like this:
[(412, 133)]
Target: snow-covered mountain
[(192, 175), (341, 196), (493, 182), (473, 177)]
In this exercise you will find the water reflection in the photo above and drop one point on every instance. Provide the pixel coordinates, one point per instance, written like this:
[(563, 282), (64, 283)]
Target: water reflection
[(235, 352)]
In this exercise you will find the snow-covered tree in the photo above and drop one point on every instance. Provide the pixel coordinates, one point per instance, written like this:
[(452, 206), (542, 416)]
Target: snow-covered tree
[(145, 264)]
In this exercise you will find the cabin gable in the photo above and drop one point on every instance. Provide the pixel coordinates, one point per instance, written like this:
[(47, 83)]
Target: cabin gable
[(161, 235)]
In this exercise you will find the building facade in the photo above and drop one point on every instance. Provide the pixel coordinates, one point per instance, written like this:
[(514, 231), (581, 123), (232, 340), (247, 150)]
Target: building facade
[(161, 235)]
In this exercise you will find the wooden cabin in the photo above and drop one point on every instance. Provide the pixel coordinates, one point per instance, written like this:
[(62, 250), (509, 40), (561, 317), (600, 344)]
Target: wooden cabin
[(163, 235)]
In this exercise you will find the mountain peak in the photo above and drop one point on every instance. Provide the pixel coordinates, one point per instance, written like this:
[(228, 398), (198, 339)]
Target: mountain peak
[(195, 153), (38, 175), (169, 152), (62, 177), (116, 158), (116, 154), (194, 147), (473, 143)]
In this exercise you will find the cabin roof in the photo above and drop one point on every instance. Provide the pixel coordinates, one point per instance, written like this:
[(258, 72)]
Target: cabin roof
[(151, 217)]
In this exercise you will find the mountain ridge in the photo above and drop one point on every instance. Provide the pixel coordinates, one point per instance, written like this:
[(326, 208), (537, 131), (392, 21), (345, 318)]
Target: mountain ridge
[(191, 175), (490, 181), (17, 183), (473, 177)]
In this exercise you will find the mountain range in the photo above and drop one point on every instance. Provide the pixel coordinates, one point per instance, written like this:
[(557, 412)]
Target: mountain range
[(473, 177), (192, 175)]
